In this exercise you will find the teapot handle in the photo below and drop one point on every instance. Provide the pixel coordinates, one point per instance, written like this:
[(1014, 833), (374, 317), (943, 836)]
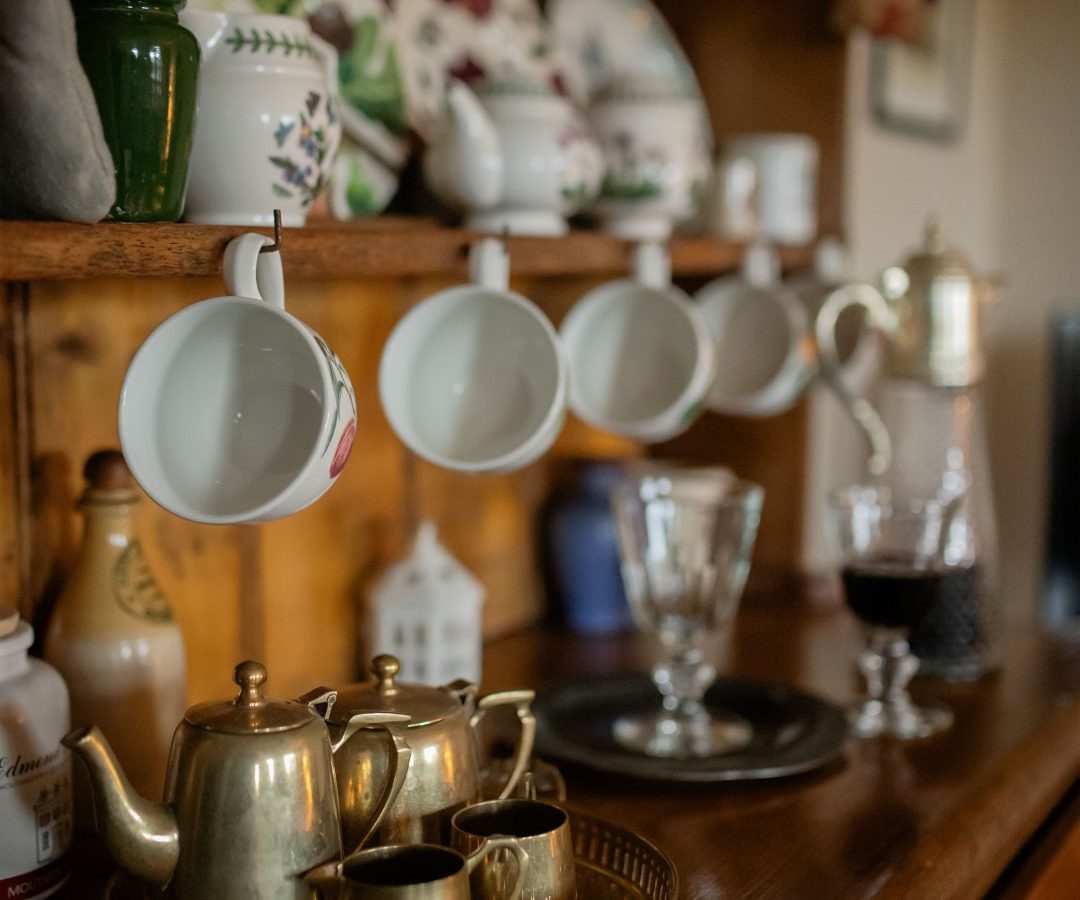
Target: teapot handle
[(499, 842), (880, 318), (522, 700), (400, 755)]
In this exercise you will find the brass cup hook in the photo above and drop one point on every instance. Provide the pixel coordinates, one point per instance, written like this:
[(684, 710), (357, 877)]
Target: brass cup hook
[(276, 246)]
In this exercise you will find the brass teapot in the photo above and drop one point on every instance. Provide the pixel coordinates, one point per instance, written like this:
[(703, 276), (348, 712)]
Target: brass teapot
[(250, 796), (444, 774)]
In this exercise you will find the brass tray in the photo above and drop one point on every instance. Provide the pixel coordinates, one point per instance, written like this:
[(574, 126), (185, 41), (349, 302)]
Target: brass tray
[(613, 863)]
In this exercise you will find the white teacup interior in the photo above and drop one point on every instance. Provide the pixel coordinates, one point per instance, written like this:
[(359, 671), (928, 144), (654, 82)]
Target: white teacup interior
[(222, 408), (753, 340), (469, 377), (632, 354)]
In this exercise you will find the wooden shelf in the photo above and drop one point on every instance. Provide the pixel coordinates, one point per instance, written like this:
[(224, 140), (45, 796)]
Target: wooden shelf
[(383, 248)]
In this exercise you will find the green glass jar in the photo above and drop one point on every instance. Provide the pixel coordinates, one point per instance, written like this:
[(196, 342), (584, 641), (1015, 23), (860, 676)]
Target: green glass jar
[(143, 67)]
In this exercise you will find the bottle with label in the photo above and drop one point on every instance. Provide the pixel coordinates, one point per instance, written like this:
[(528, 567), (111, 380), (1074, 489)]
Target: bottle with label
[(112, 634), (35, 770)]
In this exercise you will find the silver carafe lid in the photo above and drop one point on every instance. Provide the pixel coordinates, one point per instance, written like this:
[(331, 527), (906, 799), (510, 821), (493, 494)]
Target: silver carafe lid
[(940, 303)]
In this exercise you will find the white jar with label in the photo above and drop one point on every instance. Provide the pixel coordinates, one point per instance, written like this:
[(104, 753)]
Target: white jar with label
[(35, 770)]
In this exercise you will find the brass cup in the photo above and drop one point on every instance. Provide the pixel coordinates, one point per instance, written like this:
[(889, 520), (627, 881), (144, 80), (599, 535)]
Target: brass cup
[(412, 872), (542, 830)]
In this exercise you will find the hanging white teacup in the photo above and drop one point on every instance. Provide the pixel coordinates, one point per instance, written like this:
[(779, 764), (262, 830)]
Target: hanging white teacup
[(474, 378), (765, 353), (641, 357), (233, 410)]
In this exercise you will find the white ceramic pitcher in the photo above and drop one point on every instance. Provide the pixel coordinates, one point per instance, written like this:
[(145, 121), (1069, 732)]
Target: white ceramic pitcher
[(267, 126)]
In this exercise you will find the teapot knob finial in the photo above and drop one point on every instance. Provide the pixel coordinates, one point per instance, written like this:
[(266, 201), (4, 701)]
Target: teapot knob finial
[(384, 667), (934, 234), (250, 676)]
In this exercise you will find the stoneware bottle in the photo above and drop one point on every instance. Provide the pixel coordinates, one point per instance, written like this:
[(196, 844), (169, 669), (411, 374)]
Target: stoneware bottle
[(112, 634), (35, 770)]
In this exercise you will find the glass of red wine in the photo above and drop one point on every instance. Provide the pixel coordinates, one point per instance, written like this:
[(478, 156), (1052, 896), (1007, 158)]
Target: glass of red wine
[(892, 552)]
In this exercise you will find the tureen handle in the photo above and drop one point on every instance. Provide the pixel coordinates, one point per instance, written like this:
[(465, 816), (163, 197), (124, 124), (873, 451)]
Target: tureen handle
[(522, 701)]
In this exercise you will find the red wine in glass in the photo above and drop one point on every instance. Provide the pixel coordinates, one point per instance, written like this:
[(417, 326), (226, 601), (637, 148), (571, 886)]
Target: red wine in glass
[(890, 593)]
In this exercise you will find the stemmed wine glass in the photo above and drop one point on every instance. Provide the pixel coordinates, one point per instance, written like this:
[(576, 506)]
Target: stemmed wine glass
[(685, 537), (894, 569)]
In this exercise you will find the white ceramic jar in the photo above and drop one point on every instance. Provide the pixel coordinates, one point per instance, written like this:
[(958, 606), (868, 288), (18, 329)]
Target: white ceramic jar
[(267, 125), (781, 195), (656, 157), (35, 770)]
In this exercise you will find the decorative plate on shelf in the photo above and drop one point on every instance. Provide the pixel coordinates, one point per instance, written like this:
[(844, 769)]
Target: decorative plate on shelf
[(598, 41), (466, 39), (793, 731)]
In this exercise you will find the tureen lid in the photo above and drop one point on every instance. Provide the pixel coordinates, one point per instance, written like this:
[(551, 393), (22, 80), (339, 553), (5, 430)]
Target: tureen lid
[(250, 712), (427, 705)]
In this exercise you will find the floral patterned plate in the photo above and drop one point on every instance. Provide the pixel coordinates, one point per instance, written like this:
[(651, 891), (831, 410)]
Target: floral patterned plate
[(598, 40), (466, 39)]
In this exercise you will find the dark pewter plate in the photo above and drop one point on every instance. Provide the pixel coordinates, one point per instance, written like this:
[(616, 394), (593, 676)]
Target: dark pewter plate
[(793, 731)]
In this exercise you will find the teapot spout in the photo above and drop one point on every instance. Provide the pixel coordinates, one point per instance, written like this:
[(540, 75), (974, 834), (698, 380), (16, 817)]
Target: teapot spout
[(142, 837), (464, 163)]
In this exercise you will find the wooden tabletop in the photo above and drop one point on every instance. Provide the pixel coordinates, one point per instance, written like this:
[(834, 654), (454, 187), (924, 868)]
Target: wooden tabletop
[(940, 818)]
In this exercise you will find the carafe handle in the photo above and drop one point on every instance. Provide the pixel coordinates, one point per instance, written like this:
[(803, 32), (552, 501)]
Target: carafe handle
[(880, 318), (500, 842), (522, 701)]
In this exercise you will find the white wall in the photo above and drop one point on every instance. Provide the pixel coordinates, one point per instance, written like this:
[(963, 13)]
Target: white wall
[(1008, 193), (1040, 255)]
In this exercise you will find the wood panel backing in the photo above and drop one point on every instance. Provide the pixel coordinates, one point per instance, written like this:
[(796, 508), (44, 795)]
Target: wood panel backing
[(768, 67), (15, 569)]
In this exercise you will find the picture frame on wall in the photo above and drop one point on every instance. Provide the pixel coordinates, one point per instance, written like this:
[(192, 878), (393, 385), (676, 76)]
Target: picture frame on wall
[(922, 89)]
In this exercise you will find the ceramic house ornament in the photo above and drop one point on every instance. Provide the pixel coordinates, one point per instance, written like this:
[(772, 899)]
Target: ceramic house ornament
[(426, 612)]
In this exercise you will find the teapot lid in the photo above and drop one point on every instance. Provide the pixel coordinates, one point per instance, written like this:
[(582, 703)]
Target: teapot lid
[(250, 712), (427, 705)]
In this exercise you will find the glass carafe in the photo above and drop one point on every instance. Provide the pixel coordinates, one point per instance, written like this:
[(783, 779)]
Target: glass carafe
[(939, 452), (927, 435)]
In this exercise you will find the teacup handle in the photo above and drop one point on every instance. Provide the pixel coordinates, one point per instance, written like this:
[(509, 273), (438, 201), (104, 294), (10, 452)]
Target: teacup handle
[(652, 265), (249, 273), (400, 755), (522, 701), (500, 842), (880, 318), (489, 264)]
